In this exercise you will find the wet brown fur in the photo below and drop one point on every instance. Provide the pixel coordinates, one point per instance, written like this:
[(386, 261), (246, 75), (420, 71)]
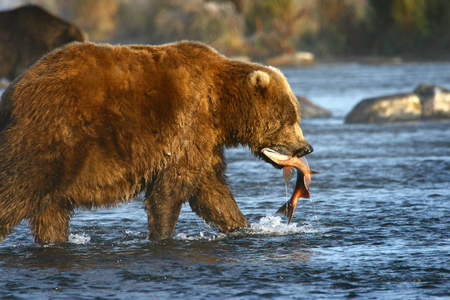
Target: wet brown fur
[(93, 125)]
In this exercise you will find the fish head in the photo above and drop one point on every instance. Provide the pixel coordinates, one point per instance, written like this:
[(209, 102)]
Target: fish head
[(288, 162)]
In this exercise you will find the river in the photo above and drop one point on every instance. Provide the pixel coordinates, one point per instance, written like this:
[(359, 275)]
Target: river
[(377, 225)]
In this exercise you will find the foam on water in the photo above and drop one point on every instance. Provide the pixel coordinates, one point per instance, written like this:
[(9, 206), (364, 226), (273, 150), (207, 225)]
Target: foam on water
[(79, 238), (267, 226), (202, 236), (275, 225)]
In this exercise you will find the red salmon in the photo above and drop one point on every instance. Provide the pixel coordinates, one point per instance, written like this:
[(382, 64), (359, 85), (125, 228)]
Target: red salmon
[(302, 184)]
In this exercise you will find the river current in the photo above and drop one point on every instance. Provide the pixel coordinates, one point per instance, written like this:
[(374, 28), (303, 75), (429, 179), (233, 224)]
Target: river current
[(377, 225)]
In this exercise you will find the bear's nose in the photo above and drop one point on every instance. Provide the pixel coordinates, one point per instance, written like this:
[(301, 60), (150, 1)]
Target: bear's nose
[(309, 149), (304, 151)]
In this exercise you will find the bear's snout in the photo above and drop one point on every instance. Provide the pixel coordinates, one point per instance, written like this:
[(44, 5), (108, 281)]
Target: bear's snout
[(305, 150)]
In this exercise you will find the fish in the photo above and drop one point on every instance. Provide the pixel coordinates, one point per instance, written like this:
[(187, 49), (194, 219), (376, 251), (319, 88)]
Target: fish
[(303, 181)]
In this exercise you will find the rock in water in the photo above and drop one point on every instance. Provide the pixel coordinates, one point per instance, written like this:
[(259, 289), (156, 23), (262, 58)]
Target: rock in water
[(435, 101), (400, 107)]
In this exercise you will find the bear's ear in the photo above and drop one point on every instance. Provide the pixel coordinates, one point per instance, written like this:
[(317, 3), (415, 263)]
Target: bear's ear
[(259, 79)]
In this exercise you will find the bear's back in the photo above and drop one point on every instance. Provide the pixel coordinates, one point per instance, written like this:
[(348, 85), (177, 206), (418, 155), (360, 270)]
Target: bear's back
[(103, 61), (86, 87)]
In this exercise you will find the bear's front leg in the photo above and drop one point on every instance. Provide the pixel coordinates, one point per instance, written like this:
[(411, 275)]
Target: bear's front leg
[(214, 202)]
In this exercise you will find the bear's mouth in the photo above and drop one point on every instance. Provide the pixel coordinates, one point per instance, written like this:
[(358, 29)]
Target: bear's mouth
[(279, 151), (288, 151), (282, 150), (282, 153), (278, 158)]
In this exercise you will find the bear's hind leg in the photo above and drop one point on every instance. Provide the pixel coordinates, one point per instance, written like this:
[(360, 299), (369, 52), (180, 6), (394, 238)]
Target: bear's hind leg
[(163, 206), (162, 217), (12, 212), (51, 224)]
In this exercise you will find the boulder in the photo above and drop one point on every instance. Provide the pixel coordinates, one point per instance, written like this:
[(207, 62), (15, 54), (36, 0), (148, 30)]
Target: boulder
[(426, 102), (311, 110), (295, 59), (394, 108), (435, 101)]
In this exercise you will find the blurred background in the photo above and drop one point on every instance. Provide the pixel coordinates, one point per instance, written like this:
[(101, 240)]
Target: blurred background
[(345, 29), (378, 225)]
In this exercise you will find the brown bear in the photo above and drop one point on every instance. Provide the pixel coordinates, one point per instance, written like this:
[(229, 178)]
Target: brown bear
[(27, 33), (93, 125)]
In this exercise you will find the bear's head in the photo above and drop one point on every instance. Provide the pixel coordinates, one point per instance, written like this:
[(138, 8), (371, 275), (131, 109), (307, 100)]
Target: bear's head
[(269, 114)]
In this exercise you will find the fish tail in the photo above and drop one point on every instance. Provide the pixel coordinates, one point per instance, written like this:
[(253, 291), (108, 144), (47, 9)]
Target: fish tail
[(283, 210), (286, 210)]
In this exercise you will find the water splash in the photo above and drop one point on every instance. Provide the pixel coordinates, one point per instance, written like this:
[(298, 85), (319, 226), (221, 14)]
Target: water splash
[(274, 225), (79, 238), (200, 237), (267, 226)]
